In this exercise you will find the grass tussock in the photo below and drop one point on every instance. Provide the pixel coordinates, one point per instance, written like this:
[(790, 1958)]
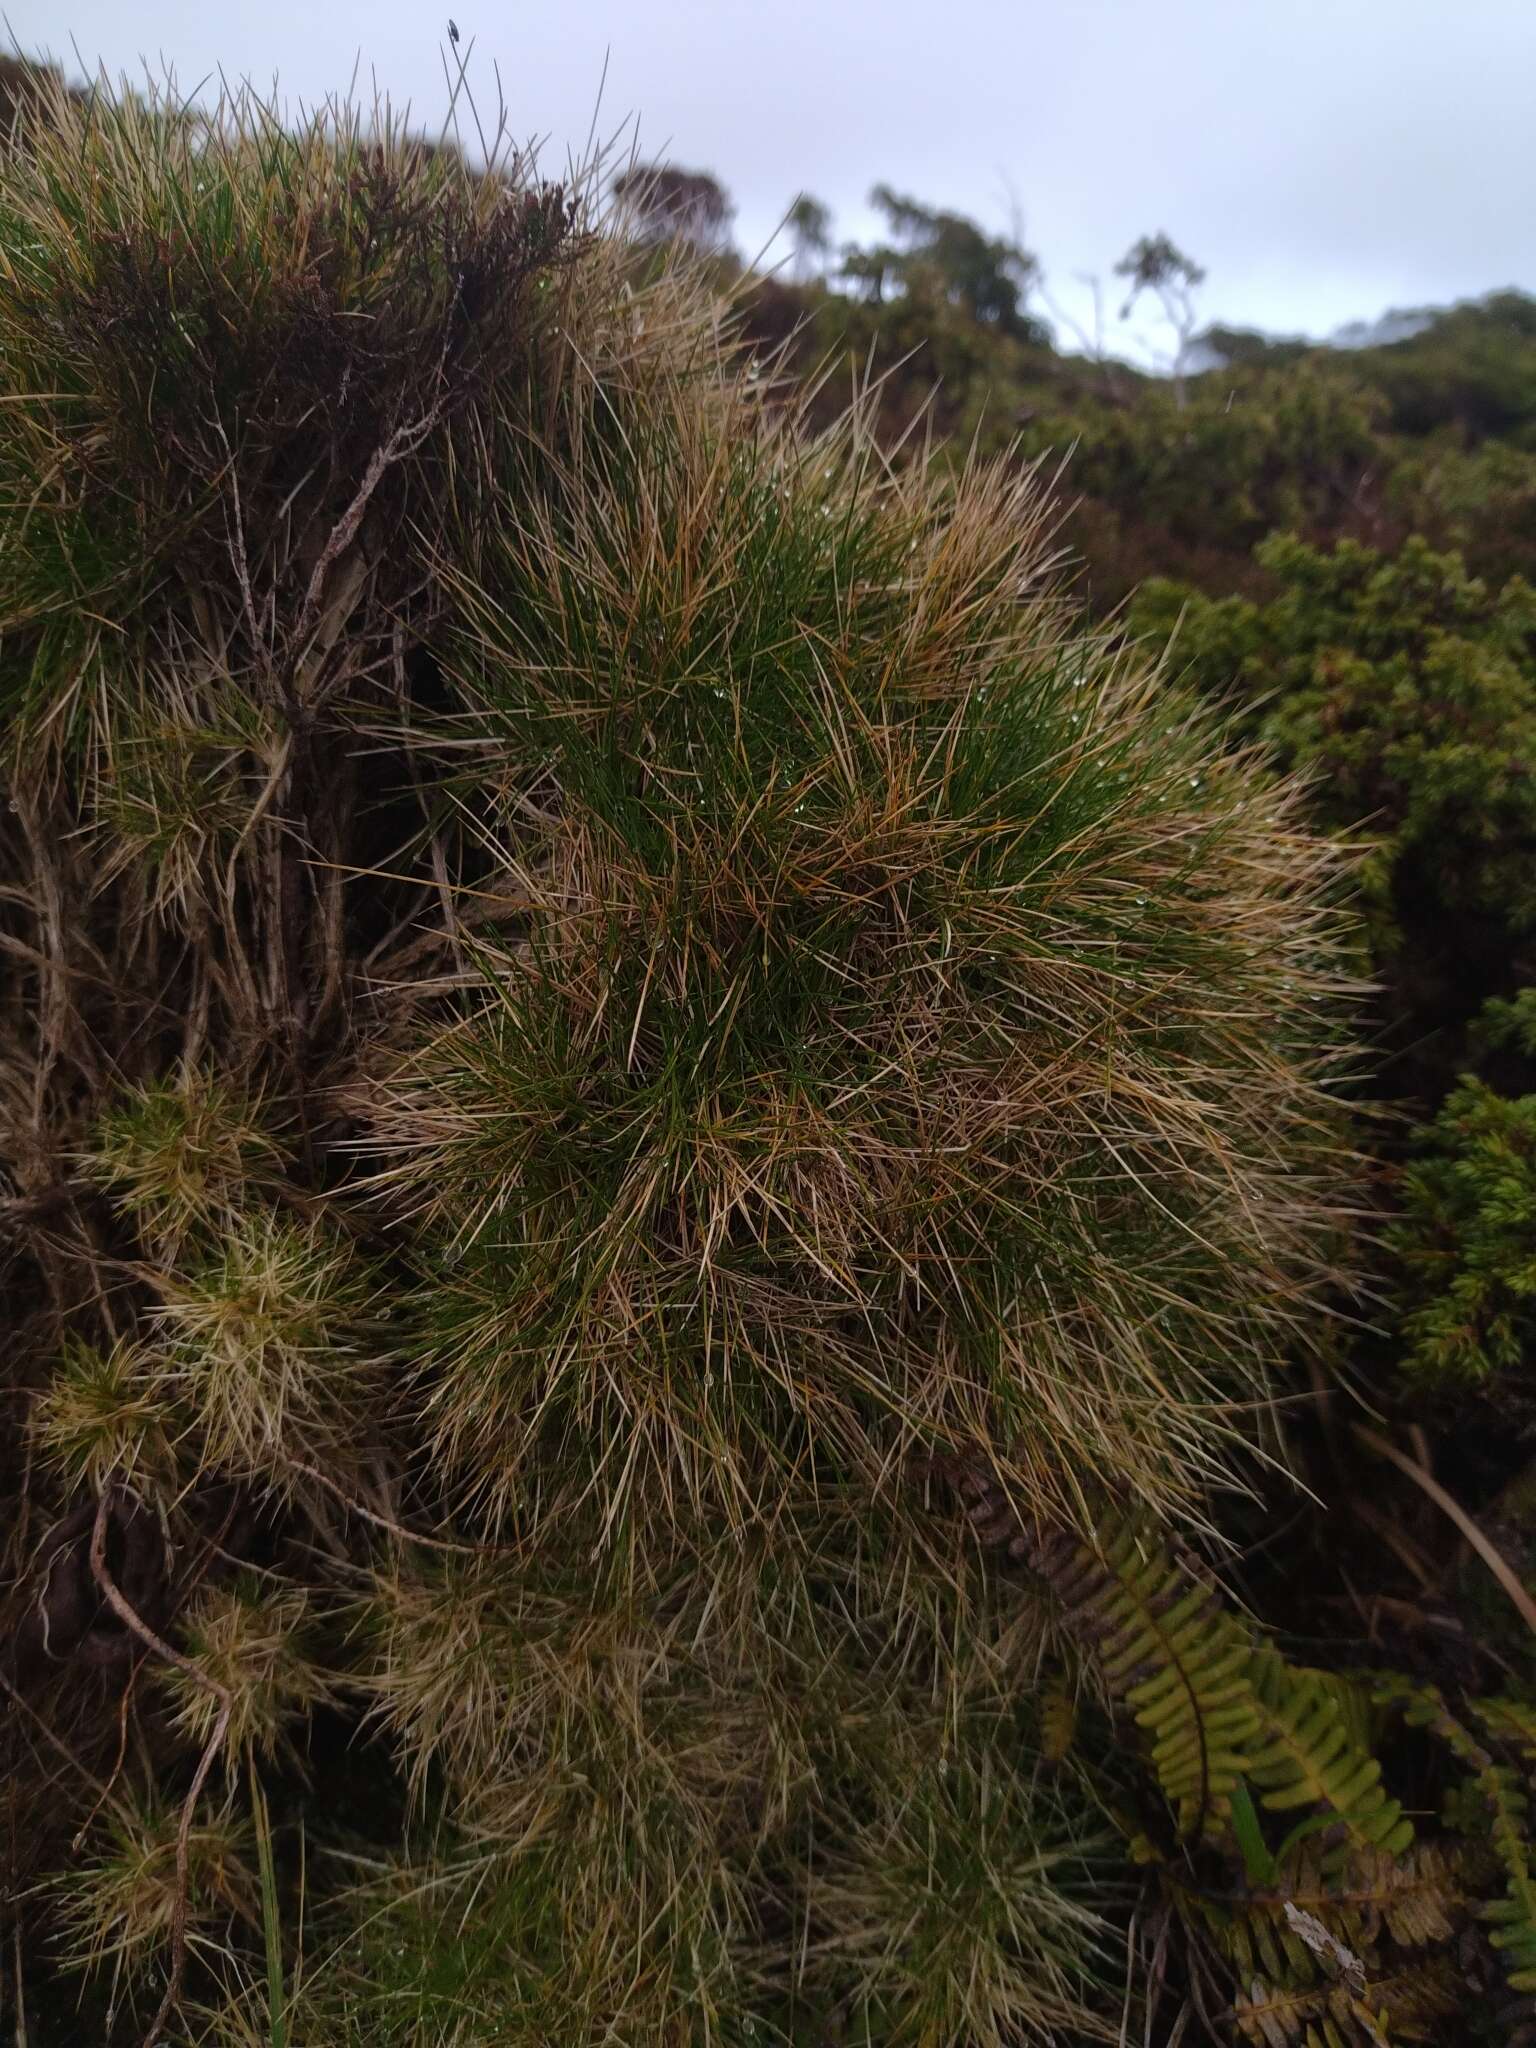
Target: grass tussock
[(915, 1034), (598, 984)]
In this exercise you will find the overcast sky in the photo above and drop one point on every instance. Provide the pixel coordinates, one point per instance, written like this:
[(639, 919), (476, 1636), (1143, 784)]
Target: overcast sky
[(1324, 159)]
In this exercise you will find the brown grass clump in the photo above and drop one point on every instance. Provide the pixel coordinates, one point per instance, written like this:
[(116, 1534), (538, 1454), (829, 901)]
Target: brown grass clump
[(595, 983), (912, 1037)]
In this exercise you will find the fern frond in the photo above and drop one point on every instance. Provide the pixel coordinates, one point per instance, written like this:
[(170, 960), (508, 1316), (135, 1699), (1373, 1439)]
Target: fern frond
[(1314, 1933), (1512, 1722), (1422, 1896), (1310, 1758), (1170, 1653), (1405, 2005), (1417, 1900), (1217, 1705), (1502, 1795)]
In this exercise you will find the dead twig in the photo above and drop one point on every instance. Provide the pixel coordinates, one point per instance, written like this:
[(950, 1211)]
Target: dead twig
[(1494, 1558), (124, 1609), (211, 1749)]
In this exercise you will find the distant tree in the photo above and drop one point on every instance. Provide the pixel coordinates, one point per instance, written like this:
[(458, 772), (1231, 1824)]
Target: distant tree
[(909, 220), (990, 276), (669, 204), (1249, 348), (810, 224), (1156, 264), (872, 270)]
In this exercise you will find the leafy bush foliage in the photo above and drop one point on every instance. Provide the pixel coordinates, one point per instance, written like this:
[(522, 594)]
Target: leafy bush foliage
[(1406, 691), (1467, 1228)]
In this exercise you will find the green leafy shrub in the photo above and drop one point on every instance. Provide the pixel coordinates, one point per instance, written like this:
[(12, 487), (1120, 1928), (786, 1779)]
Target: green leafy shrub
[(1249, 450), (1465, 1236), (1406, 691)]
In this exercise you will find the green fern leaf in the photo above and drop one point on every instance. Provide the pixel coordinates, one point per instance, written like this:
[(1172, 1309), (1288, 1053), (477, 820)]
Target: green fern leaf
[(1310, 1758), (1504, 1800)]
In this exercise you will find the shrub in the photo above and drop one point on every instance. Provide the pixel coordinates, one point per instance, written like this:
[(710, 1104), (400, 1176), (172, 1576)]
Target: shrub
[(1403, 688), (601, 982), (1464, 1236)]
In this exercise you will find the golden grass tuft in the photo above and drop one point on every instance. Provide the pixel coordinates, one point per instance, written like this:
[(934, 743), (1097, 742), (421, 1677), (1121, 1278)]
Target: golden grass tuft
[(920, 1032)]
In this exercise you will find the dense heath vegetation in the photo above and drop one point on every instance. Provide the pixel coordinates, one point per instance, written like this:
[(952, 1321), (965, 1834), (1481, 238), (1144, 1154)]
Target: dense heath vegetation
[(767, 1191)]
